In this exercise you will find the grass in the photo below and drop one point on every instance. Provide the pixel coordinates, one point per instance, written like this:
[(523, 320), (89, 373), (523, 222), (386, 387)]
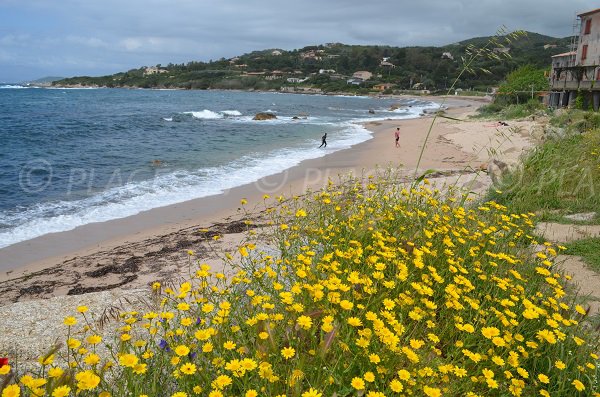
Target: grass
[(588, 249), (512, 111), (561, 174), (576, 121)]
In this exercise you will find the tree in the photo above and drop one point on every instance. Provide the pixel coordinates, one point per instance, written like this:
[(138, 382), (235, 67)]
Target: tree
[(521, 84)]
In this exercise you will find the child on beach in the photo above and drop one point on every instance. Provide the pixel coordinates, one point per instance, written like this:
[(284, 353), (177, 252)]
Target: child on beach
[(397, 135)]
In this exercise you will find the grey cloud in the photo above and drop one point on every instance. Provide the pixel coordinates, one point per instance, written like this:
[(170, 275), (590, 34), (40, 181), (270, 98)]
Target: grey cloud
[(105, 37)]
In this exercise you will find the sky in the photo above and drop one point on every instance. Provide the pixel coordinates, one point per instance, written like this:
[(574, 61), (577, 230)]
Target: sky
[(90, 37)]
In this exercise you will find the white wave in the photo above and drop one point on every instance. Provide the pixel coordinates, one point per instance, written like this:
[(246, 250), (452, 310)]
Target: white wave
[(13, 86), (231, 112), (205, 114), (167, 118), (72, 88), (163, 190)]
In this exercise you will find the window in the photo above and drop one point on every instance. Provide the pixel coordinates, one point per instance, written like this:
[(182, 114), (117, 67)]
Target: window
[(584, 52), (588, 26)]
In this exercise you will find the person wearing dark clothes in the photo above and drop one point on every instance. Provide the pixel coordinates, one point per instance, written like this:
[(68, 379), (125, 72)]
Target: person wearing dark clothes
[(397, 136), (324, 139)]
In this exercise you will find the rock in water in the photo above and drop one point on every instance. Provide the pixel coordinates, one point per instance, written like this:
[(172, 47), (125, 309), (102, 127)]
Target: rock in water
[(264, 116)]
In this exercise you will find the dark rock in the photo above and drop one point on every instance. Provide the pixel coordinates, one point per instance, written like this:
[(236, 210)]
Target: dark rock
[(264, 116)]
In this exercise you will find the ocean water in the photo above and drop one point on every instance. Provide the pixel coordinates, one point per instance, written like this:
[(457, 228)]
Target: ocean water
[(69, 157)]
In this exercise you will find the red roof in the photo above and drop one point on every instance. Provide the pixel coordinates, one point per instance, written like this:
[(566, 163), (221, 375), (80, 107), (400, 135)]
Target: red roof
[(589, 12)]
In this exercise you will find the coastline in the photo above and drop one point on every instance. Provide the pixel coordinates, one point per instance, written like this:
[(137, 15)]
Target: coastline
[(133, 251)]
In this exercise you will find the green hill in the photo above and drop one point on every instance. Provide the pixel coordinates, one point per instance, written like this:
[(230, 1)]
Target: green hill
[(329, 66)]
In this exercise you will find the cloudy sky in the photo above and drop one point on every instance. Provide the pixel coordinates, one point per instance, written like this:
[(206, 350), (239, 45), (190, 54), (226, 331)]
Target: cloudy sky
[(92, 37)]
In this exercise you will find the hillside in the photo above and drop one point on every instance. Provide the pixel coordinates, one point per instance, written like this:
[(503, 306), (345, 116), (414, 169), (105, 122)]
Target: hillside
[(328, 67)]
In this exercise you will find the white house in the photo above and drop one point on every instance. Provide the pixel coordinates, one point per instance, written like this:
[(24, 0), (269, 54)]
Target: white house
[(362, 74)]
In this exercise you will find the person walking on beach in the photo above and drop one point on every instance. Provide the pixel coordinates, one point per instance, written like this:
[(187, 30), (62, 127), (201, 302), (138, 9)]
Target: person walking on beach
[(397, 135), (324, 141)]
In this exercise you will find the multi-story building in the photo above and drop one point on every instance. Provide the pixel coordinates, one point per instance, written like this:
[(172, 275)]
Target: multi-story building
[(577, 72)]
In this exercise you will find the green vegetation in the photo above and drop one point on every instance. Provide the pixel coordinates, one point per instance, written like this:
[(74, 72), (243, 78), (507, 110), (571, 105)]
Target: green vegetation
[(522, 85), (512, 111), (588, 249), (561, 174), (576, 121), (373, 290), (430, 68)]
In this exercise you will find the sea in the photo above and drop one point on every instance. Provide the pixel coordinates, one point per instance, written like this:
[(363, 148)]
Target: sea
[(70, 157)]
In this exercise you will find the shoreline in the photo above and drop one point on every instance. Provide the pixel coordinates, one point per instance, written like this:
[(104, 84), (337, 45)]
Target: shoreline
[(34, 268)]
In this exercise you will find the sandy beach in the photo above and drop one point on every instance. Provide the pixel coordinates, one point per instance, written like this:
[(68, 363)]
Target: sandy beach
[(131, 252)]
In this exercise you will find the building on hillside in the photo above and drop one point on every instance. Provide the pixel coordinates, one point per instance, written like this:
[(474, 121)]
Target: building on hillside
[(501, 50), (296, 80), (383, 86), (362, 74), (548, 46), (326, 71), (154, 70), (355, 81), (276, 52), (579, 69), (387, 64), (447, 55)]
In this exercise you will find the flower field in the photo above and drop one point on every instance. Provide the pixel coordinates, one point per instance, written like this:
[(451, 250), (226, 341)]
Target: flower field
[(367, 288)]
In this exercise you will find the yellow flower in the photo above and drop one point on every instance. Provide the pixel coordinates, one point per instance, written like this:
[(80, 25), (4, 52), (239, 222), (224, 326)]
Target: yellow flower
[(70, 321), (358, 383), (312, 393), (288, 352), (396, 386), (543, 378), (11, 391), (490, 332), (87, 380), (128, 360), (82, 309), (578, 385), (346, 304), (188, 369), (61, 391), (403, 374), (251, 393), (4, 369), (300, 214), (304, 322), (55, 372), (560, 365), (179, 394), (91, 359), (369, 377), (432, 391), (94, 339), (487, 373), (580, 310), (182, 350), (229, 345), (221, 382)]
